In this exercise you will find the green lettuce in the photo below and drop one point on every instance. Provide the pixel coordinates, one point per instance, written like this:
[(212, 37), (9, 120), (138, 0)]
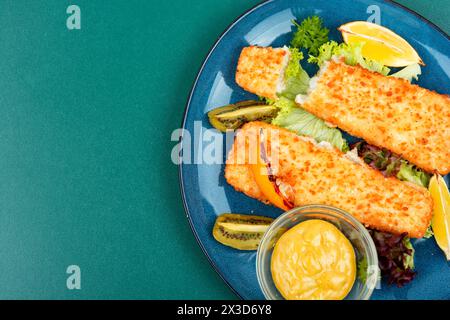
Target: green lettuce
[(390, 164), (302, 122), (326, 52), (352, 54), (429, 233), (409, 172), (294, 69), (296, 79), (408, 259), (409, 73), (362, 269)]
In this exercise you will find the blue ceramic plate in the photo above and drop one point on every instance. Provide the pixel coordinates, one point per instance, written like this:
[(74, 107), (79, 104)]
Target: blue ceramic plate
[(205, 191)]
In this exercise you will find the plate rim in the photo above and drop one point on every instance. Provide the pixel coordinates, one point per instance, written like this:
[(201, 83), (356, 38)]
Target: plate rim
[(189, 100)]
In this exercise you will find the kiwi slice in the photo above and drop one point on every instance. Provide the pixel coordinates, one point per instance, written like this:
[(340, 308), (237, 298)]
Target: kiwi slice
[(233, 116), (239, 231)]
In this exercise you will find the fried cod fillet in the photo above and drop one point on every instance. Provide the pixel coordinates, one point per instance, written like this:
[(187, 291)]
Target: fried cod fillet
[(310, 173), (260, 70), (385, 111)]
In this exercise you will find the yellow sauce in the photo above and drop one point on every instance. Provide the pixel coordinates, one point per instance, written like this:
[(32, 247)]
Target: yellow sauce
[(313, 260)]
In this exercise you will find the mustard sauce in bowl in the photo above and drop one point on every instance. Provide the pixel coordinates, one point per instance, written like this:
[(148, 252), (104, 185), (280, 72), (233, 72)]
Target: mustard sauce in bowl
[(313, 260)]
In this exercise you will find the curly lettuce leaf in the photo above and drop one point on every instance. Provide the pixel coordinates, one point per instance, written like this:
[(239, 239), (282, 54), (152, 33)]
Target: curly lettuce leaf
[(310, 34), (352, 54), (408, 259), (409, 73), (296, 79), (266, 100), (429, 233), (302, 122), (395, 257), (409, 172), (391, 164), (294, 68), (362, 269), (325, 52)]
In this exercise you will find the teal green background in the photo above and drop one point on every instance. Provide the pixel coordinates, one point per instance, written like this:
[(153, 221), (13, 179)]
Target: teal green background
[(86, 119)]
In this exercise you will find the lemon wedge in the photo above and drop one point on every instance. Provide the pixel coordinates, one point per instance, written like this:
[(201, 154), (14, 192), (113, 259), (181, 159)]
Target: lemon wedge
[(380, 44), (441, 217)]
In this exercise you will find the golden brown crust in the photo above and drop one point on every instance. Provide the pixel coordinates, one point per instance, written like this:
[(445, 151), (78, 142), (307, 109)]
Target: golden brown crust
[(259, 70), (387, 112), (315, 175)]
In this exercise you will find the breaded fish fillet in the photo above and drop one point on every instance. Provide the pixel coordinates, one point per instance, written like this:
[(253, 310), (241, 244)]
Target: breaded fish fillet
[(261, 70), (309, 173), (385, 111)]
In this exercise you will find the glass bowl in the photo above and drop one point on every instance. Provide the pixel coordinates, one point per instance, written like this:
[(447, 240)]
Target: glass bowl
[(347, 224)]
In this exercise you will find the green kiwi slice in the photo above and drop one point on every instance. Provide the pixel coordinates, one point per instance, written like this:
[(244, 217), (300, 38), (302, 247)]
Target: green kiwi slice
[(233, 116), (243, 232)]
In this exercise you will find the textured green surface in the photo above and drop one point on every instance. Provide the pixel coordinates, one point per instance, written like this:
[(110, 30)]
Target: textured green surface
[(85, 125)]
